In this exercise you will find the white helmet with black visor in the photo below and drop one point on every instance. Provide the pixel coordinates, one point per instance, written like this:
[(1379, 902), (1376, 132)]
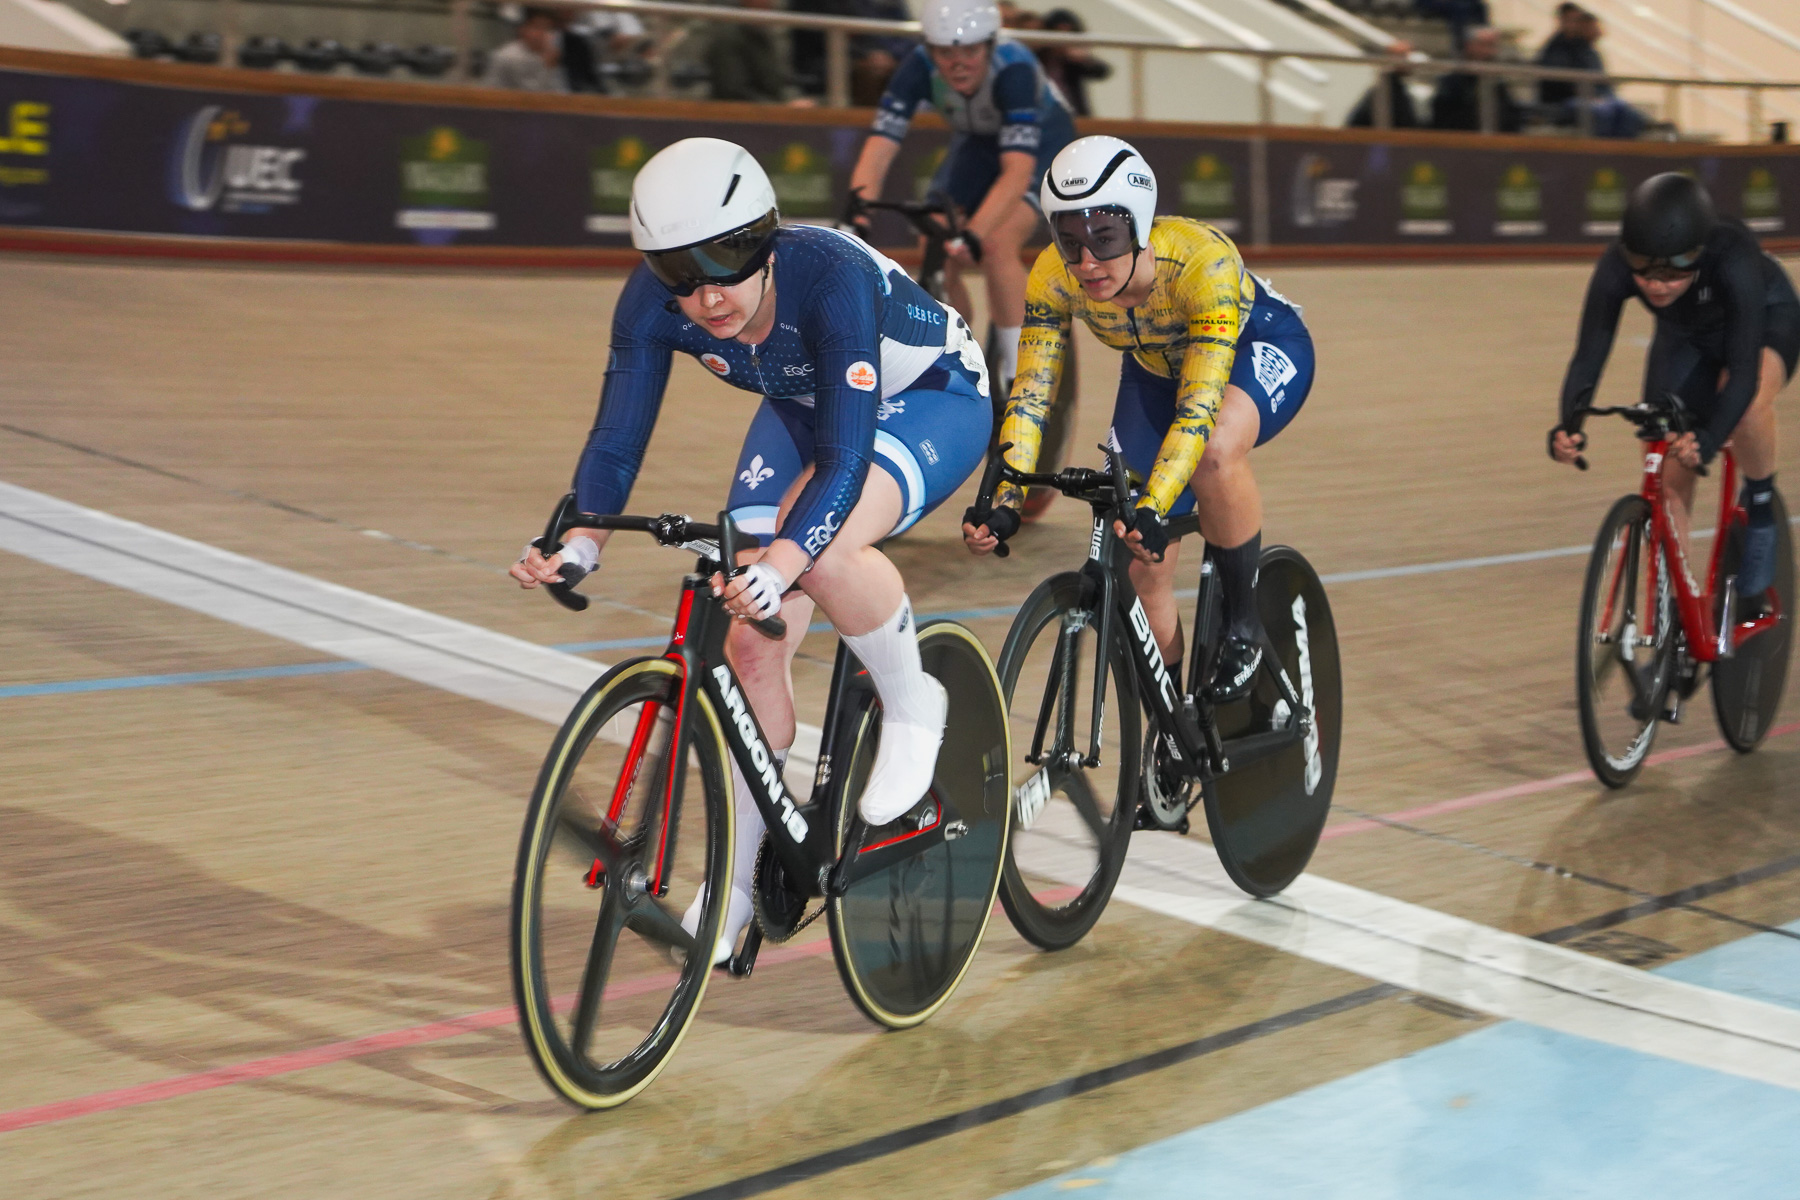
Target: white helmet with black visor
[(703, 212), (1099, 195)]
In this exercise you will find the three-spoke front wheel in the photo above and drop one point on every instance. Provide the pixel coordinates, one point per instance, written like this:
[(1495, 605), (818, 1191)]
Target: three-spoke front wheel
[(1626, 648), (1072, 822), (621, 838)]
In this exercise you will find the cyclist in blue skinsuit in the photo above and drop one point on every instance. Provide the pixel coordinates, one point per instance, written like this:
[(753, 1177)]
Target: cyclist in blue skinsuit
[(874, 409), (1009, 122)]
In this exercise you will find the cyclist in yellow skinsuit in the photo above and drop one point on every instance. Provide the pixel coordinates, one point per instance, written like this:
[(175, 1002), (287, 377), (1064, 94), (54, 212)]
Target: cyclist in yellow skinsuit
[(1216, 362)]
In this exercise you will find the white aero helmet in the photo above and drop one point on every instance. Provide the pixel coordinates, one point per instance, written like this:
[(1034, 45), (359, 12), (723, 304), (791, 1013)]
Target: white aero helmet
[(703, 212), (1092, 178), (959, 22)]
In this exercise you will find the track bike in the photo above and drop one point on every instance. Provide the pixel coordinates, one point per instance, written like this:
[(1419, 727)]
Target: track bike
[(616, 842), (1649, 632), (937, 223), (1264, 767)]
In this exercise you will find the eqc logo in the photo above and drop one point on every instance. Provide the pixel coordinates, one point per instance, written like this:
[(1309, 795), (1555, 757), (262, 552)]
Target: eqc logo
[(211, 168), (766, 767)]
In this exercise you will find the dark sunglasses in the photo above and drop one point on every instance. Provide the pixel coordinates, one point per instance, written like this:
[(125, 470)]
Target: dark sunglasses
[(1103, 232), (722, 262), (1673, 266)]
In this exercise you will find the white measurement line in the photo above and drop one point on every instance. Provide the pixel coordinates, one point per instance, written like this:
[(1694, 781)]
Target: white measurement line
[(454, 656), (1332, 923), (1489, 970)]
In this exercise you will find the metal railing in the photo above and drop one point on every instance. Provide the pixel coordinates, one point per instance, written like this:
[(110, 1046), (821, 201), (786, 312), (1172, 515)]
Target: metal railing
[(666, 15)]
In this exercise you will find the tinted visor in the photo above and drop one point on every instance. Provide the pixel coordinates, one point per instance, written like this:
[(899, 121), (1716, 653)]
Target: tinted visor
[(1104, 232), (721, 262), (1669, 265)]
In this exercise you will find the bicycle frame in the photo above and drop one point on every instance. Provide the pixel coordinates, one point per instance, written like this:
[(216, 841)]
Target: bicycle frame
[(1705, 642), (804, 835), (1192, 736)]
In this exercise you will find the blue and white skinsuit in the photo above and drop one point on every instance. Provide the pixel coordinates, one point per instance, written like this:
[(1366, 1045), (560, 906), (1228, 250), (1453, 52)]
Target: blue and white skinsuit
[(1015, 108), (862, 368)]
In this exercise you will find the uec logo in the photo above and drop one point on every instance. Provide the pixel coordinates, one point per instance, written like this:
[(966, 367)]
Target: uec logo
[(208, 165)]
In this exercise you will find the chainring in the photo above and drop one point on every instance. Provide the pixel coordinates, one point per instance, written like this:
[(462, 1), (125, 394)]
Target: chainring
[(1168, 795), (780, 908)]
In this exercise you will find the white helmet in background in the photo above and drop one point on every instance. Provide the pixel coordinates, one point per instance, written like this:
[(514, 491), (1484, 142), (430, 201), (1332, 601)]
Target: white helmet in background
[(703, 212), (959, 22), (1100, 172)]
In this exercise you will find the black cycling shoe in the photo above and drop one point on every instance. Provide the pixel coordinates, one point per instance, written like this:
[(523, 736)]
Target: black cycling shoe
[(1757, 569), (1235, 673)]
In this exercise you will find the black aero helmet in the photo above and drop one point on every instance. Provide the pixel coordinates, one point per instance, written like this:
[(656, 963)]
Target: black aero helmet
[(1666, 223)]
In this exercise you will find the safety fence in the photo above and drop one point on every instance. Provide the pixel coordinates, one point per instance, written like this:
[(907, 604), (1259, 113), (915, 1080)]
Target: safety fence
[(191, 160)]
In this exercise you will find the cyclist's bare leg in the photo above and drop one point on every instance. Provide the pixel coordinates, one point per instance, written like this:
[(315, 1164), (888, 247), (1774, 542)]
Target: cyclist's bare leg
[(1753, 442), (1230, 510), (956, 288), (1155, 586), (1224, 486)]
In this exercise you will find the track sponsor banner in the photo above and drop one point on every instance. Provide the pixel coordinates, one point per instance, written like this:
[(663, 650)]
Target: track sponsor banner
[(1508, 194), (128, 156)]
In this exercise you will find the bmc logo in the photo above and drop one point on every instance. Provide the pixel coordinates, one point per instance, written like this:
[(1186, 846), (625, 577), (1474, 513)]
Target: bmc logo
[(861, 376), (716, 364)]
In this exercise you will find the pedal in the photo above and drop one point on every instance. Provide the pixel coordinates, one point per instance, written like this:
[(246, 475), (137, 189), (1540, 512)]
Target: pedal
[(744, 961), (1672, 713)]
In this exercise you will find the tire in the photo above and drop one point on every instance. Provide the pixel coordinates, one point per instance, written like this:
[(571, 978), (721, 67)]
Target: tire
[(1620, 709), (1061, 866), (904, 935), (1747, 687), (587, 811), (1265, 816)]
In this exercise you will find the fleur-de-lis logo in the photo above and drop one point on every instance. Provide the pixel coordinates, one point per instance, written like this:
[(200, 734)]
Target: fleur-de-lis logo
[(756, 473), (889, 408)]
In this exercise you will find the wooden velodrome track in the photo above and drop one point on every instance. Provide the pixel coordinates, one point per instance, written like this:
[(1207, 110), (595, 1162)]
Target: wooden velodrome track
[(233, 873)]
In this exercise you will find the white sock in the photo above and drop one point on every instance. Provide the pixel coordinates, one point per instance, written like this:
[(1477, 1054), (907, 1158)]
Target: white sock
[(891, 653), (1007, 337), (749, 829)]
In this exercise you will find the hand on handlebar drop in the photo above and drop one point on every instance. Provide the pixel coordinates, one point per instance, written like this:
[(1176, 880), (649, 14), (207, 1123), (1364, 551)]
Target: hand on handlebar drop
[(1566, 447), (753, 595), (995, 528), (580, 550), (1148, 539), (1685, 449)]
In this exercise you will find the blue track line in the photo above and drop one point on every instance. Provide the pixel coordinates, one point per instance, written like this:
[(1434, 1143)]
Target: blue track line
[(65, 687)]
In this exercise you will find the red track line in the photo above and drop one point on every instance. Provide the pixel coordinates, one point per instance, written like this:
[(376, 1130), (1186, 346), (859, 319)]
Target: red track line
[(318, 1056), (437, 1031), (1530, 788)]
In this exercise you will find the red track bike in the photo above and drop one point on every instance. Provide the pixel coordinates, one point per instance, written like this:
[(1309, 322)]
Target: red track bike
[(1649, 632)]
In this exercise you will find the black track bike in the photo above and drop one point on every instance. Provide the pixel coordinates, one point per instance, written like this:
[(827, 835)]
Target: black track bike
[(617, 845), (1264, 767)]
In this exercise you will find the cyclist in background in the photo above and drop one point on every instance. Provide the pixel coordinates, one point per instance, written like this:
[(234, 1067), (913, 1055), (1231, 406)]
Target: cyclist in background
[(874, 409), (1727, 337), (1009, 122), (1216, 362)]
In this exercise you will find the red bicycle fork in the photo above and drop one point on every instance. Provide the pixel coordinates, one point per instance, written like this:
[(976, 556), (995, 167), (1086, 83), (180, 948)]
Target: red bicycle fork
[(640, 739)]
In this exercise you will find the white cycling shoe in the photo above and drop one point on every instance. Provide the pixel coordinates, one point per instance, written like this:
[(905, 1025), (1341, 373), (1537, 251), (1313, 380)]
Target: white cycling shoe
[(904, 765), (738, 912)]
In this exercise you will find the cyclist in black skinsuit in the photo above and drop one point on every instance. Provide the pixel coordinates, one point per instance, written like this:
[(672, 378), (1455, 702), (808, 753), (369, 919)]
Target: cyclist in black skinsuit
[(1727, 338)]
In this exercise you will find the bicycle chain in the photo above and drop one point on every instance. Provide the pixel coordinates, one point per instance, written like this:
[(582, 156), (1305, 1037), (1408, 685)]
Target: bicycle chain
[(763, 922)]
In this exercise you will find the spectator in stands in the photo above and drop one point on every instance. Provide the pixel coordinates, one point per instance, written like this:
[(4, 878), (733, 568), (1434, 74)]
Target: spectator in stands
[(746, 62), (1460, 15), (532, 61), (1456, 104), (872, 56), (1070, 67), (1401, 112), (1571, 47)]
